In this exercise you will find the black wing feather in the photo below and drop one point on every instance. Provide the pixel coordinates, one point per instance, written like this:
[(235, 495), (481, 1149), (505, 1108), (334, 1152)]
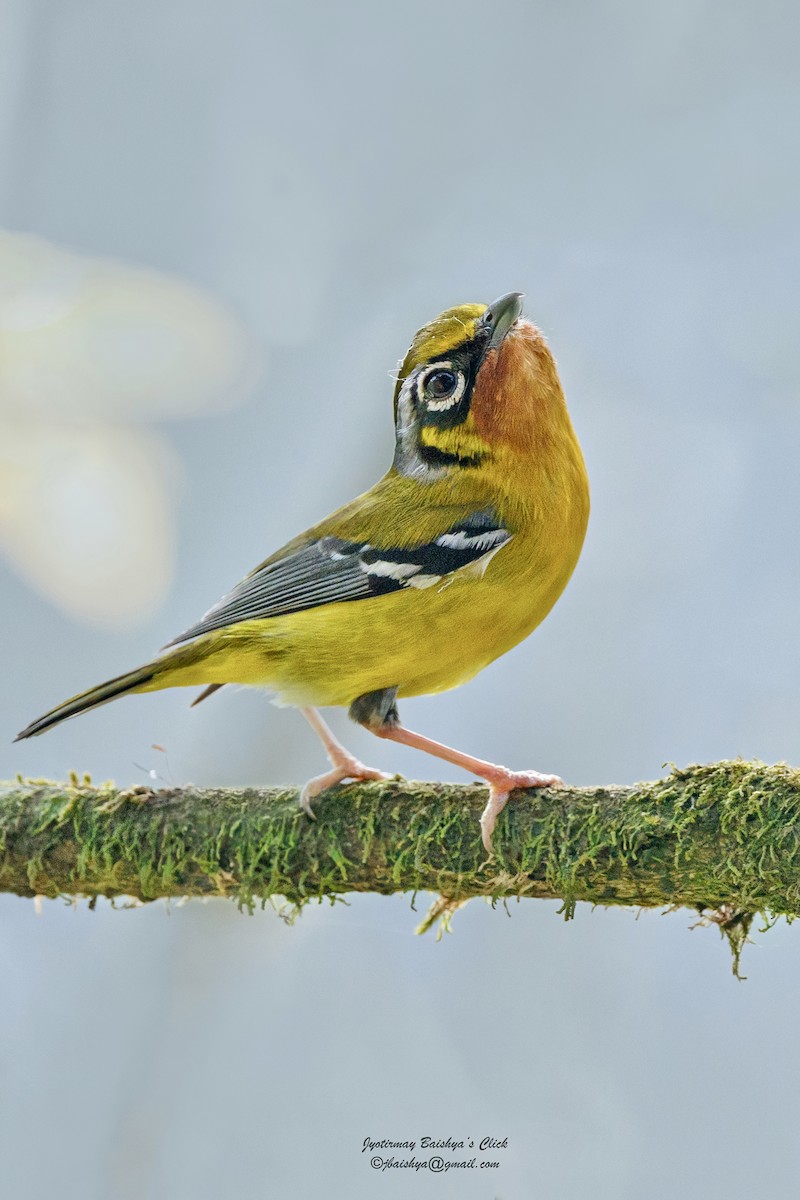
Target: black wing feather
[(331, 571)]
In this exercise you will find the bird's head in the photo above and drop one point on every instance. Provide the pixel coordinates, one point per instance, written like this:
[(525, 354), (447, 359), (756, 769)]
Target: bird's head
[(477, 382)]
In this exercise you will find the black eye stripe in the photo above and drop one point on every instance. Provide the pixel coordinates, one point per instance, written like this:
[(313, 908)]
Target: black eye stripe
[(418, 409)]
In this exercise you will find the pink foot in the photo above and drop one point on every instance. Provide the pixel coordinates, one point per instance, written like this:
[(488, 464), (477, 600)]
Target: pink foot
[(344, 764), (347, 768), (501, 784), (501, 781)]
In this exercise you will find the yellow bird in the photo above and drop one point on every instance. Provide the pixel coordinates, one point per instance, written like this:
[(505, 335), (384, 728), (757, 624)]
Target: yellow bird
[(457, 554)]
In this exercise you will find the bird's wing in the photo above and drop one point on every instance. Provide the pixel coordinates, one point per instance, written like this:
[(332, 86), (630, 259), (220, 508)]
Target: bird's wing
[(329, 570)]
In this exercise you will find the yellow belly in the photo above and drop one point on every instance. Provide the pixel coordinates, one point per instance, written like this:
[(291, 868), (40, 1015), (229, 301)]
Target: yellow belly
[(419, 641)]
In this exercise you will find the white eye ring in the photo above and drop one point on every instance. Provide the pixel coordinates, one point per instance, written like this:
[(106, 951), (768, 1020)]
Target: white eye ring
[(446, 401)]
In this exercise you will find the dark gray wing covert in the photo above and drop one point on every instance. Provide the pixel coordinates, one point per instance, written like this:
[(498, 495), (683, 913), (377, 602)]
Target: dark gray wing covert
[(331, 570)]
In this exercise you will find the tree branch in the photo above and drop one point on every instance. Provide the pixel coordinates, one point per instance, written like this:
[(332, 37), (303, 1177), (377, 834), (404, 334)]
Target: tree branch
[(723, 837)]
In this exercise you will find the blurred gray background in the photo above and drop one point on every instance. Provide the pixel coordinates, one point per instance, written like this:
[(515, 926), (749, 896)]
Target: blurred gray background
[(235, 216)]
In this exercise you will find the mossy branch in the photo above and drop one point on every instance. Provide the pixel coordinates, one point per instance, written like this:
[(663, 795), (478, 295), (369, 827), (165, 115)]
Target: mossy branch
[(722, 837)]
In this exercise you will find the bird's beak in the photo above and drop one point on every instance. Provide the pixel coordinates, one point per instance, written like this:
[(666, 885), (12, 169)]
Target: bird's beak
[(500, 316)]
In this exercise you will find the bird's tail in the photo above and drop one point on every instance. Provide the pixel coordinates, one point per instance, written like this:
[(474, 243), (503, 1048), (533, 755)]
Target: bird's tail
[(162, 672)]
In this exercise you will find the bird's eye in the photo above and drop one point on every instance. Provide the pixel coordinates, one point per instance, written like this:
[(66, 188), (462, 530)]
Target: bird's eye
[(441, 387), (441, 384)]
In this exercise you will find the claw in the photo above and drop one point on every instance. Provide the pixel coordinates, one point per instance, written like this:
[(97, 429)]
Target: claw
[(139, 793), (348, 768), (500, 788)]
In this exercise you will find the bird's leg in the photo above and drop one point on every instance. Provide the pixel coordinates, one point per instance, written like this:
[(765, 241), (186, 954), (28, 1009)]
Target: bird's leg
[(345, 766), (501, 781)]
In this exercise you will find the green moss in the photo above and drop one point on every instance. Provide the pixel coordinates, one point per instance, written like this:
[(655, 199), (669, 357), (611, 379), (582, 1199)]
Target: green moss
[(724, 837)]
